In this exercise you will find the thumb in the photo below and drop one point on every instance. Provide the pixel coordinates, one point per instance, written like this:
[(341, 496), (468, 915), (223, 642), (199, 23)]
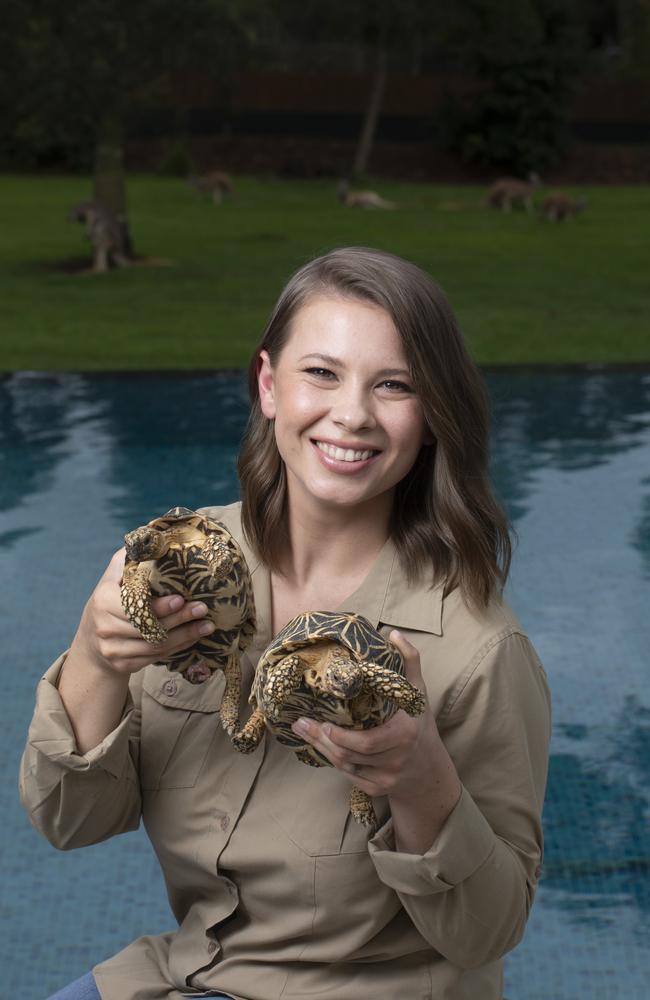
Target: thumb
[(411, 657), (115, 567)]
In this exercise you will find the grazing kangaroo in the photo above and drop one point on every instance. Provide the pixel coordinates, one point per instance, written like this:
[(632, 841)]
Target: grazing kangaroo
[(361, 199), (103, 231), (216, 185), (508, 192), (558, 206)]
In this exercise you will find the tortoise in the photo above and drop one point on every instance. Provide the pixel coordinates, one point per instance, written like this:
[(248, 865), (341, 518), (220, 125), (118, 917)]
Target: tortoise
[(188, 553), (334, 667)]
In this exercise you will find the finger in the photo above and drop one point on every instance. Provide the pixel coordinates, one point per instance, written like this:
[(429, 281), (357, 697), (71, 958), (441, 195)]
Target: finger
[(173, 610), (115, 568), (377, 744), (129, 645), (342, 747)]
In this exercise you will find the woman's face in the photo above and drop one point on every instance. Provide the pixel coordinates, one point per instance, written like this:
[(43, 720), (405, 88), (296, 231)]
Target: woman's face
[(348, 424)]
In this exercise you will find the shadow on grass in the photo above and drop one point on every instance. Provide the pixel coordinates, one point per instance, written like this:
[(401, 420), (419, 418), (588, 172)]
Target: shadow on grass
[(83, 265)]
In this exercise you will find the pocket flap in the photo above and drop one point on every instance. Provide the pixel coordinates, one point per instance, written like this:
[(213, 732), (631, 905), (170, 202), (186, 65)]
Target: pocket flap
[(171, 689)]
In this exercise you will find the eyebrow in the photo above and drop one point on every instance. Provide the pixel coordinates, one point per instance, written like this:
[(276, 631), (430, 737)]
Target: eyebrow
[(328, 359)]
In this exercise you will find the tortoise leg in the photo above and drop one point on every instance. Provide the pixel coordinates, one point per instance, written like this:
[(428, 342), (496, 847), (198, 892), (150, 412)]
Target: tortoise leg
[(388, 684), (217, 556), (230, 702), (305, 757), (361, 808), (136, 601), (284, 679), (250, 624), (251, 735)]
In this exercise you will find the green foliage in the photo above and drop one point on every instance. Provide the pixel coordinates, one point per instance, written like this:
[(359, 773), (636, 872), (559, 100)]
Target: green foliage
[(635, 37), (525, 56), (68, 66), (518, 123), (176, 160)]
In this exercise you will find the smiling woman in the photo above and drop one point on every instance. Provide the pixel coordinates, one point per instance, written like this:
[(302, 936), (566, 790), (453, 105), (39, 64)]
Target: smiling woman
[(365, 494), (346, 434), (396, 376)]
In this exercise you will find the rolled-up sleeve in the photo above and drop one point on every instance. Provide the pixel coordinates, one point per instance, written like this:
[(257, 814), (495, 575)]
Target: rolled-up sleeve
[(470, 894), (77, 799)]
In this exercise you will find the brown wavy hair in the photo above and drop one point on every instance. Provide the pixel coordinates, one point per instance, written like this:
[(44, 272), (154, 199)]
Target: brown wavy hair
[(444, 516)]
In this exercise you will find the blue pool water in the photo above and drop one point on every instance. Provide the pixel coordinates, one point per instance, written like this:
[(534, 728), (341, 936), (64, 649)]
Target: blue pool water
[(82, 460)]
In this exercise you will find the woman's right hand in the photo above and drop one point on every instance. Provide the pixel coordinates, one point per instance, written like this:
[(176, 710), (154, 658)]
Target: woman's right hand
[(107, 649), (109, 642)]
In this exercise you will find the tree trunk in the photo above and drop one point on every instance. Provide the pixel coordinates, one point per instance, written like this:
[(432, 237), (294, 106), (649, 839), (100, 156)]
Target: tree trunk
[(369, 127), (109, 183)]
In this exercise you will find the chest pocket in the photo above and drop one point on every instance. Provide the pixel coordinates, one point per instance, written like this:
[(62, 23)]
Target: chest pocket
[(180, 723), (311, 806)]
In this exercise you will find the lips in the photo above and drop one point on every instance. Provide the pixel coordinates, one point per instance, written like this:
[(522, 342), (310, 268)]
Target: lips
[(345, 454)]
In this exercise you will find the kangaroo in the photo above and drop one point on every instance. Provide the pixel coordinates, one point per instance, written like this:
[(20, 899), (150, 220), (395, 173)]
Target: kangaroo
[(558, 206), (103, 231), (361, 199), (509, 192), (216, 185)]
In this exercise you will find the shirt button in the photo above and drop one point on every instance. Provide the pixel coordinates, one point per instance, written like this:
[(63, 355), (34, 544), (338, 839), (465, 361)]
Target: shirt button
[(170, 687), (212, 947)]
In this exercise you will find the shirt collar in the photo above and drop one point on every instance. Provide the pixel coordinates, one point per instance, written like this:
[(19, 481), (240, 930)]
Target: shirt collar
[(385, 597)]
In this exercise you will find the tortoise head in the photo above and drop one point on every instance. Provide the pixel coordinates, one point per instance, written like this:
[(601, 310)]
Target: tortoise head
[(342, 675), (145, 543)]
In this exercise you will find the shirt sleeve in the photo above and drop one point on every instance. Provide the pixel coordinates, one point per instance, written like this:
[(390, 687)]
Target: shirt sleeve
[(470, 894), (77, 799)]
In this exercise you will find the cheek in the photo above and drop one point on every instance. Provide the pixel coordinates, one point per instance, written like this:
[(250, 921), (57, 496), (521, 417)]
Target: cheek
[(411, 429), (297, 409), (291, 420)]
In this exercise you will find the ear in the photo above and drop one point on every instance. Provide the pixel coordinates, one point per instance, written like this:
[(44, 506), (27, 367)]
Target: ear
[(266, 385)]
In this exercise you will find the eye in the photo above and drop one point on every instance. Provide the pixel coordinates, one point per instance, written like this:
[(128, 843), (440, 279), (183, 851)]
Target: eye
[(323, 373), (393, 386)]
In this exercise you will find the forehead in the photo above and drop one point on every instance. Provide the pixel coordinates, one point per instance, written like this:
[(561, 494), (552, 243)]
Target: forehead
[(334, 325)]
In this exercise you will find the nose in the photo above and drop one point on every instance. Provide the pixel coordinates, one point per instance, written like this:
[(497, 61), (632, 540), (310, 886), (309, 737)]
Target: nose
[(352, 409)]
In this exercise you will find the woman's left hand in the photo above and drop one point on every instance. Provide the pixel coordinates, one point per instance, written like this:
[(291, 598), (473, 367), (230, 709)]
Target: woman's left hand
[(396, 758), (404, 758)]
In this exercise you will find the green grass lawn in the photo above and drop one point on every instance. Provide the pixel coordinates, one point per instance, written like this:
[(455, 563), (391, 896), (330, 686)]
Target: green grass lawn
[(525, 291)]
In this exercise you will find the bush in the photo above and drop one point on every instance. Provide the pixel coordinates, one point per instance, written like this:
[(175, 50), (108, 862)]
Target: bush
[(176, 160), (518, 122), (524, 56)]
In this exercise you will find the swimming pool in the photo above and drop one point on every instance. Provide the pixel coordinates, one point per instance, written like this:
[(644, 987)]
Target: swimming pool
[(84, 459)]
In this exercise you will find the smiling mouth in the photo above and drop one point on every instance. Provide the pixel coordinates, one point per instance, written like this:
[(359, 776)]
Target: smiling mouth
[(344, 454)]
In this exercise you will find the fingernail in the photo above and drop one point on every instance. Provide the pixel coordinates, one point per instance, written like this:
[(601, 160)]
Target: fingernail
[(175, 603), (300, 726), (198, 609), (206, 628)]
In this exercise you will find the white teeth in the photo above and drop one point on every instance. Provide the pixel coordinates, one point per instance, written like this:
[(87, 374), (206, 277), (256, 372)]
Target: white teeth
[(343, 454)]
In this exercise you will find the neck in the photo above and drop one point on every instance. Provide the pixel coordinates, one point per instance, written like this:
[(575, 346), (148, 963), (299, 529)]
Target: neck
[(334, 542)]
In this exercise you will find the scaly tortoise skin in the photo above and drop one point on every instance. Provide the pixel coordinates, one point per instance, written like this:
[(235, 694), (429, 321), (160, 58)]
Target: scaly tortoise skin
[(190, 554), (333, 667)]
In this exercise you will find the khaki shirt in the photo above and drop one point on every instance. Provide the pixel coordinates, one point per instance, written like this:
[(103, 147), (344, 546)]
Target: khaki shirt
[(277, 891)]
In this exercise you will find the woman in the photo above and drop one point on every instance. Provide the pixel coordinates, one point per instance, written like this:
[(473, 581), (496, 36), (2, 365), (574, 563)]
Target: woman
[(364, 488)]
